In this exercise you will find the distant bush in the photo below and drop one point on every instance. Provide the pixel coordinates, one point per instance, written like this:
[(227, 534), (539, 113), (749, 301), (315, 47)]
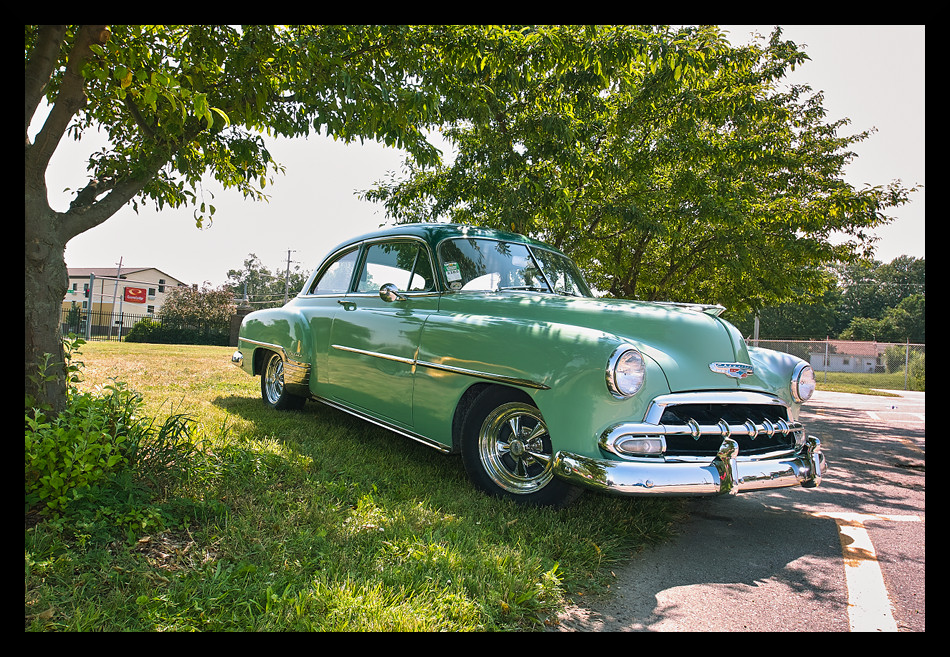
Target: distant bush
[(150, 330), (916, 373), (896, 359)]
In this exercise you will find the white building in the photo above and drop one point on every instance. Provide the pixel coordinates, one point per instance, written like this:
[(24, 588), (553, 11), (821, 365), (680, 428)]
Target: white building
[(848, 356), (140, 291)]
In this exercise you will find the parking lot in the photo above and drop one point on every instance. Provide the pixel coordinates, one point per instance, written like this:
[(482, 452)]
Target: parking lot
[(846, 556)]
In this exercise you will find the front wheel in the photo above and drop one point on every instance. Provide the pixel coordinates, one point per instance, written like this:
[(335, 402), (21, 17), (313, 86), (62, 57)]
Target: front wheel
[(506, 450), (273, 391)]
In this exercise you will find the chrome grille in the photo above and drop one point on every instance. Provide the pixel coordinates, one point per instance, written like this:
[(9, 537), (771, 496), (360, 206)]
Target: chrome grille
[(695, 425), (698, 429)]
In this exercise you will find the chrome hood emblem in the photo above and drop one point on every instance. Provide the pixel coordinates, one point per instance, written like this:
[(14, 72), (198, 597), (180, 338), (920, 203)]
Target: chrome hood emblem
[(735, 370)]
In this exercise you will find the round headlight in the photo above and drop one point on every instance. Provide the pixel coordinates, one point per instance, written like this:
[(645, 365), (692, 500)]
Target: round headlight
[(626, 371), (803, 383)]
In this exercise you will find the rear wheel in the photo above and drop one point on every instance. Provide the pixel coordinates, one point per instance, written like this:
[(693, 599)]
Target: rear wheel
[(273, 391), (507, 451)]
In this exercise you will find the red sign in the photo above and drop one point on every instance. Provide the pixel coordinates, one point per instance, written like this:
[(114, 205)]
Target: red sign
[(135, 294)]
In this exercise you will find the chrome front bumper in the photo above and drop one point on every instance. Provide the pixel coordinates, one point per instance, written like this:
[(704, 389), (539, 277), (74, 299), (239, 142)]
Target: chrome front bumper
[(727, 473)]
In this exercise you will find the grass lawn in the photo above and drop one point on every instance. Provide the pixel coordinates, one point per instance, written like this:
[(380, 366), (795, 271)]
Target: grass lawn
[(862, 384), (306, 520)]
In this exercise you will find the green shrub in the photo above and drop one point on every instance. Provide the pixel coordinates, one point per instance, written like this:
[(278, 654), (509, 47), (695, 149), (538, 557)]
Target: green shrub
[(66, 456), (916, 372), (894, 358), (152, 331), (143, 330)]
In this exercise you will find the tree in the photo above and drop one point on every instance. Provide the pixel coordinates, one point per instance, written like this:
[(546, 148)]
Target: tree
[(883, 300), (178, 102), (262, 287), (697, 179), (793, 321), (191, 307), (181, 102)]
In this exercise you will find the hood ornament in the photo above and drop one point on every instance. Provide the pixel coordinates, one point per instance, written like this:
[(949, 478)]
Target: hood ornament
[(734, 370)]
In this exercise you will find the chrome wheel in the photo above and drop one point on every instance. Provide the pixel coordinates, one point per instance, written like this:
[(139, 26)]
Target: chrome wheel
[(273, 391), (272, 383), (515, 449)]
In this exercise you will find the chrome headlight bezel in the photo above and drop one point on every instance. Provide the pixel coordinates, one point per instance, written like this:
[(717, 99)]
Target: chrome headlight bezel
[(803, 383), (626, 371)]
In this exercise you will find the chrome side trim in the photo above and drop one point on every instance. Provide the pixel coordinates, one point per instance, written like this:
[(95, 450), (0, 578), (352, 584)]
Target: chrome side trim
[(375, 354), (428, 442), (414, 362), (488, 376), (269, 345)]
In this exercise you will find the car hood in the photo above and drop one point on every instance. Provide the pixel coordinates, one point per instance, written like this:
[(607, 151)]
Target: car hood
[(682, 341)]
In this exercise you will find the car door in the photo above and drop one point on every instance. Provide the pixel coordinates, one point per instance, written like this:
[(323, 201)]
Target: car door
[(374, 341)]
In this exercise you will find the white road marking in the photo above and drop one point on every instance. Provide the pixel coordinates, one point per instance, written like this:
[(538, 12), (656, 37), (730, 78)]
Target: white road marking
[(869, 608)]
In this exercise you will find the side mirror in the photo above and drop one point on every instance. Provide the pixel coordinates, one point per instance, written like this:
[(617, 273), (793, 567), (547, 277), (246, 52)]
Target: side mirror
[(389, 293)]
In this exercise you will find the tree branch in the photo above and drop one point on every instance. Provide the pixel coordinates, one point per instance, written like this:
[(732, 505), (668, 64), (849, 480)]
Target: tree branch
[(39, 69), (71, 97), (81, 218)]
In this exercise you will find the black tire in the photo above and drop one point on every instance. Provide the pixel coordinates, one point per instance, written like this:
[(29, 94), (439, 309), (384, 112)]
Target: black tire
[(273, 391), (507, 451)]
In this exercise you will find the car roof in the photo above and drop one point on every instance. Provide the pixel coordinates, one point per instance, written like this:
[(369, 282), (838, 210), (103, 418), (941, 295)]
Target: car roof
[(433, 233)]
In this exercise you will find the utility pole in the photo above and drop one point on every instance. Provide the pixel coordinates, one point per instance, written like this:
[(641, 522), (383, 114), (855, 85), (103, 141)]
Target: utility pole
[(115, 290), (287, 277)]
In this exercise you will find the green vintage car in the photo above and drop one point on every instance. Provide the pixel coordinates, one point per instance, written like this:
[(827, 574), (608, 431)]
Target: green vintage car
[(491, 345)]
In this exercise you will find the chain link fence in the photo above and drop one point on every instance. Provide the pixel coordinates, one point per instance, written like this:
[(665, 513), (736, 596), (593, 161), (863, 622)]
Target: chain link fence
[(883, 365)]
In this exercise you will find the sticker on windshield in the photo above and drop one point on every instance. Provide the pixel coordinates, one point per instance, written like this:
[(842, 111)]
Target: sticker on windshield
[(453, 272)]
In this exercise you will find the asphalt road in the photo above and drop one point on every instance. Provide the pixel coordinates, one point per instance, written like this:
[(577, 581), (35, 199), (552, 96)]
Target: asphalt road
[(846, 556)]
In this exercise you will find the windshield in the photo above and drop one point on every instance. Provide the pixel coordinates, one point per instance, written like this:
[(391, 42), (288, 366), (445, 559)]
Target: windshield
[(491, 265)]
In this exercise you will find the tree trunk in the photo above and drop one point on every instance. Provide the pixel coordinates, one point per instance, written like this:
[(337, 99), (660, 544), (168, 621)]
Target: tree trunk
[(45, 283)]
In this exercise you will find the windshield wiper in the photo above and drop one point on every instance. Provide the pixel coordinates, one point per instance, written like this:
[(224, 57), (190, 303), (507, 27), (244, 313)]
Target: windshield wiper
[(529, 288)]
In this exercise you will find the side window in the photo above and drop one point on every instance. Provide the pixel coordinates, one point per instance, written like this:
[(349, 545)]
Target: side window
[(404, 264), (335, 279)]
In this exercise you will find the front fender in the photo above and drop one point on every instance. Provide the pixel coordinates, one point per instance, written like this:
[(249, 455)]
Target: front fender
[(774, 371), (560, 366)]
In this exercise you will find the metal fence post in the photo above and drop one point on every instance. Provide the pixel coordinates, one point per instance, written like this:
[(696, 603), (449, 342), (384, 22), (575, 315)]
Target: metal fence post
[(906, 362), (92, 282)]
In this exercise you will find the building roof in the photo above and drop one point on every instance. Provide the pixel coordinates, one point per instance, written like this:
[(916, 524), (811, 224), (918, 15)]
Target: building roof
[(84, 272), (851, 348)]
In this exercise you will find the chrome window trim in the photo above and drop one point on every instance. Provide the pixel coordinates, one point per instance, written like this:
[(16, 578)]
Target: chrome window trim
[(530, 247), (361, 247), (321, 270)]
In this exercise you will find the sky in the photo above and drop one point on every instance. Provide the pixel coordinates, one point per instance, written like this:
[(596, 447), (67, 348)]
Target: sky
[(873, 75)]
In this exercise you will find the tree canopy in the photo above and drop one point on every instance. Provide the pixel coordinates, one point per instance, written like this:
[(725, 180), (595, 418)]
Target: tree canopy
[(704, 180)]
